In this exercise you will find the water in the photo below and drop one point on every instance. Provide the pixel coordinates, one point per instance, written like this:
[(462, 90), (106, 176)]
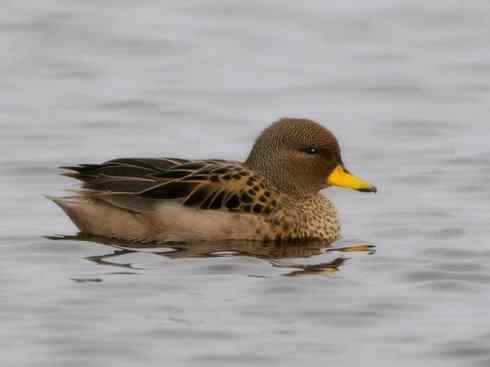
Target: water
[(405, 87)]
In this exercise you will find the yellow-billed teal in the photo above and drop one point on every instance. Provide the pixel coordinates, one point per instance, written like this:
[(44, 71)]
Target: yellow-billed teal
[(273, 195)]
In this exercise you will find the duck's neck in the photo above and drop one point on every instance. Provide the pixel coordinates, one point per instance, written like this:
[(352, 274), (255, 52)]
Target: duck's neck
[(277, 175)]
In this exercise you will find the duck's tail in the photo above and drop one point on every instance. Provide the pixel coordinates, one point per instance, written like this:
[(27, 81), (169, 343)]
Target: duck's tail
[(95, 216)]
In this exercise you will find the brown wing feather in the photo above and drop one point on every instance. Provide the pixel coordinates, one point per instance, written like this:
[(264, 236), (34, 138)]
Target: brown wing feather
[(205, 184)]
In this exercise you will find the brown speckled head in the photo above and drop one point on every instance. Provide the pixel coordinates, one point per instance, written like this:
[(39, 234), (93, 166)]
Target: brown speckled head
[(298, 156)]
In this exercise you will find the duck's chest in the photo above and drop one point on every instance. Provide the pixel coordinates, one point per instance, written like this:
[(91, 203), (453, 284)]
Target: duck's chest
[(309, 218)]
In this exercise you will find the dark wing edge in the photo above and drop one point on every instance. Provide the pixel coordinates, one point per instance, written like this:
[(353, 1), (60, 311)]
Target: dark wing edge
[(124, 175), (205, 184)]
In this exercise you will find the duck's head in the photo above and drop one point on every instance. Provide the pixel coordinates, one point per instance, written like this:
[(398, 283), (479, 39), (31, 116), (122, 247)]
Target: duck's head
[(301, 156)]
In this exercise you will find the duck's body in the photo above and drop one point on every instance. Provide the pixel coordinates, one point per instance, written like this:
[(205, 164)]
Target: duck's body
[(171, 199)]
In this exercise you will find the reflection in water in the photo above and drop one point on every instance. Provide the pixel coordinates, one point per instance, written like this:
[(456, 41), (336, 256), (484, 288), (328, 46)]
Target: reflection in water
[(273, 252), (87, 280), (322, 268)]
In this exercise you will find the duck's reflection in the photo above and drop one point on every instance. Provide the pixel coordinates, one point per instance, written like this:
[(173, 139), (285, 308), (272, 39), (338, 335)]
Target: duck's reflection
[(324, 268), (297, 256)]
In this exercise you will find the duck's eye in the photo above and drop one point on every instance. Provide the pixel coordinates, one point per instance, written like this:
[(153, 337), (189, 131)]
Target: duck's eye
[(311, 150)]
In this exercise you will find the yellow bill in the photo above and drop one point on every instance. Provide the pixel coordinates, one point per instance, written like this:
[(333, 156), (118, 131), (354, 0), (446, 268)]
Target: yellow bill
[(339, 177)]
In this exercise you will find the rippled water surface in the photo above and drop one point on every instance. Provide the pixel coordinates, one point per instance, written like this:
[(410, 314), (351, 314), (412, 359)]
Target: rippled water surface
[(404, 85)]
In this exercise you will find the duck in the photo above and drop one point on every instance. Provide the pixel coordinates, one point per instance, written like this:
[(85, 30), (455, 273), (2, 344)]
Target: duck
[(274, 195)]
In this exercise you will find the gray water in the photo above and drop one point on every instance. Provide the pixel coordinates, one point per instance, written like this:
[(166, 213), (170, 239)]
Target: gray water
[(405, 86)]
